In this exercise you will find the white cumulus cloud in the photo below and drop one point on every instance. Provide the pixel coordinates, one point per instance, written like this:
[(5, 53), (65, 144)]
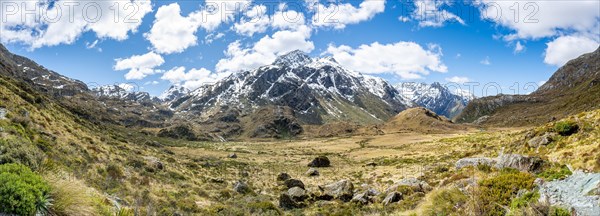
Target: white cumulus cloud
[(457, 79), (430, 13), (338, 15), (565, 48), (537, 19), (139, 66), (173, 33), (266, 50), (41, 23), (255, 20), (193, 78), (409, 60), (519, 47)]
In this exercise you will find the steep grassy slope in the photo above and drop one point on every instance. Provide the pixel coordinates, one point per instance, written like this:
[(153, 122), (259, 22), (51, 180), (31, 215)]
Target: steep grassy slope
[(574, 88), (117, 165)]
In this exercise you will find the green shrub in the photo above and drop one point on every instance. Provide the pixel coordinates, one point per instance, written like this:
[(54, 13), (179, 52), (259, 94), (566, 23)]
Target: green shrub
[(555, 172), (524, 200), (264, 208), (445, 202), (22, 192), (558, 211), (23, 152), (496, 192), (484, 168), (566, 128)]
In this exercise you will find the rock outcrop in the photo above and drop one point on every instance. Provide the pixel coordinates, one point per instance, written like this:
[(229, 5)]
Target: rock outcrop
[(320, 161), (578, 192), (341, 190)]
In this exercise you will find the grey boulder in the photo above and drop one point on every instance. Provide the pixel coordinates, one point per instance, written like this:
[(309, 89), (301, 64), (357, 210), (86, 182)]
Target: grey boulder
[(342, 190)]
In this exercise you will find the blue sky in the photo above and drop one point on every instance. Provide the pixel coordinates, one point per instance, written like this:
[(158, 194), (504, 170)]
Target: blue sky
[(401, 41)]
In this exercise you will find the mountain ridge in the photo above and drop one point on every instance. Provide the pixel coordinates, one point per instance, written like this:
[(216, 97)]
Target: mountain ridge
[(436, 97), (318, 89), (573, 88)]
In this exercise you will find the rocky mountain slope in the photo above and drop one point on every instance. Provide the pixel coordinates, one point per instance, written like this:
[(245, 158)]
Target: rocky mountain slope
[(172, 94), (41, 78), (120, 93), (318, 90), (102, 105), (436, 97), (575, 87)]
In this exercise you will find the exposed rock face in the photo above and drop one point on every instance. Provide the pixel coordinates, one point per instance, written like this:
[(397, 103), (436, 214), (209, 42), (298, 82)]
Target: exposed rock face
[(318, 90), (515, 161), (365, 197), (290, 183), (520, 162), (2, 113), (577, 192), (298, 194), (287, 202), (362, 198), (320, 161), (543, 140), (293, 198), (392, 197), (342, 190), (413, 183), (312, 172), (436, 97), (275, 122), (465, 162), (173, 94), (120, 93)]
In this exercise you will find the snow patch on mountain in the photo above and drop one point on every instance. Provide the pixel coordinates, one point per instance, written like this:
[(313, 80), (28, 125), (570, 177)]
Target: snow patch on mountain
[(436, 97), (319, 88), (120, 91)]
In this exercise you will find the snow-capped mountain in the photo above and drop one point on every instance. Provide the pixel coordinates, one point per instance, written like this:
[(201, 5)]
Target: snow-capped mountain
[(173, 93), (119, 92), (436, 97), (317, 89)]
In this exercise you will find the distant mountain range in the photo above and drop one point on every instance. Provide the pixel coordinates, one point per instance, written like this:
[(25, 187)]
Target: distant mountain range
[(436, 97), (319, 90), (311, 91)]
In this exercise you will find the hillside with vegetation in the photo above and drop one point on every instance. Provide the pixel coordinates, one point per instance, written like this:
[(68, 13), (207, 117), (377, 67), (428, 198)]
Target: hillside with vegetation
[(69, 155), (572, 89)]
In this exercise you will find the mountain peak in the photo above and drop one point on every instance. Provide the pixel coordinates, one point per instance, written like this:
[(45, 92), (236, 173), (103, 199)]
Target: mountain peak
[(293, 59), (330, 58), (174, 92)]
